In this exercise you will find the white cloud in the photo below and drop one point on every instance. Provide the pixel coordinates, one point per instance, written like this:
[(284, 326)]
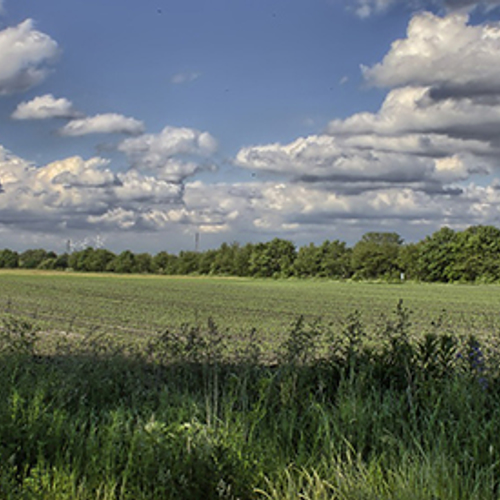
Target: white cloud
[(13, 169), (186, 77), (108, 123), (76, 172), (136, 188), (411, 109), (24, 57), (76, 193), (157, 151), (402, 160), (442, 52), (152, 149), (291, 210), (115, 217), (411, 160), (412, 164), (44, 107)]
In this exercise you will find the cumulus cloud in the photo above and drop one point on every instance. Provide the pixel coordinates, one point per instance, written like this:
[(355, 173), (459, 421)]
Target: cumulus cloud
[(415, 160), (152, 149), (76, 172), (108, 123), (421, 162), (13, 169), (446, 53), (157, 151), (76, 193), (292, 209), (25, 56), (414, 163), (45, 107), (411, 109), (415, 139)]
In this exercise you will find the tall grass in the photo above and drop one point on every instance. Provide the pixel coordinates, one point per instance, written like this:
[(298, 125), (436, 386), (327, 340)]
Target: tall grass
[(329, 415)]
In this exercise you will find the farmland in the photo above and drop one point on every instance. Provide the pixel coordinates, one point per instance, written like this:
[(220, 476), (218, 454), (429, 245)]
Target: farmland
[(223, 391), (145, 304)]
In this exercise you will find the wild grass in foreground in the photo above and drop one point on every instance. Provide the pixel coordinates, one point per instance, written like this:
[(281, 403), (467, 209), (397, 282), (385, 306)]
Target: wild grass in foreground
[(330, 415)]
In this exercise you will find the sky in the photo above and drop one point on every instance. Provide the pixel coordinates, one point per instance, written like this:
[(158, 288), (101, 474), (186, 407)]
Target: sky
[(136, 124)]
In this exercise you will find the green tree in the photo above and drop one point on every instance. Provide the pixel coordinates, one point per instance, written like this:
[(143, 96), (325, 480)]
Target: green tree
[(476, 255), (335, 260), (9, 259), (376, 256), (123, 263), (408, 260), (98, 260), (205, 261), (224, 259), (31, 259), (143, 263), (61, 261), (308, 261), (162, 262), (83, 260), (242, 260), (188, 262), (437, 255), (274, 258)]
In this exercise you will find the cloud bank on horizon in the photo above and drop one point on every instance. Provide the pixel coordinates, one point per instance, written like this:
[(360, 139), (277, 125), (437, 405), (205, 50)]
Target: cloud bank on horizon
[(427, 157)]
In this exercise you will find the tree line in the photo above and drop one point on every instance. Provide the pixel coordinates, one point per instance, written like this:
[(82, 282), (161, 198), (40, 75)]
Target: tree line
[(471, 255)]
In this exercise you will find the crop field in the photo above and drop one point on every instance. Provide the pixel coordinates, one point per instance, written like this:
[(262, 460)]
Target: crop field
[(145, 304)]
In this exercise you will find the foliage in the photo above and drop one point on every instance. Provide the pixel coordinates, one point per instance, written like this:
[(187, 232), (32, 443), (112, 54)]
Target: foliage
[(91, 260), (472, 255), (31, 259), (334, 416), (436, 255), (8, 259), (17, 336), (330, 260), (123, 263), (273, 259), (376, 255)]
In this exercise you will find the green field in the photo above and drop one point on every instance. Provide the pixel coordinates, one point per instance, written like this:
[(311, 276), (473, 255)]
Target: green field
[(296, 411), (146, 304)]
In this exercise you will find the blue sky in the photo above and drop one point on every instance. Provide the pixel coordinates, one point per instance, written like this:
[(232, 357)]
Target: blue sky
[(140, 123)]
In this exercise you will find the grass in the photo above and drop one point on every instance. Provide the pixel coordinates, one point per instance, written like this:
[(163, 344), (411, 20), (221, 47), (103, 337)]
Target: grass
[(184, 420), (375, 405)]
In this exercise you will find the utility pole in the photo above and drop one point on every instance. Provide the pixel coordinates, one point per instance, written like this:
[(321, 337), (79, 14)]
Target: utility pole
[(197, 241)]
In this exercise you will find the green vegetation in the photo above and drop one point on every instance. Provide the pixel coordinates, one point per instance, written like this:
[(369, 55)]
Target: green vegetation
[(133, 304), (472, 255), (118, 387), (336, 414)]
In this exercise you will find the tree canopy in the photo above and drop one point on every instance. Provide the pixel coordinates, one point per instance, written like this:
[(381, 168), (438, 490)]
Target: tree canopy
[(471, 255)]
